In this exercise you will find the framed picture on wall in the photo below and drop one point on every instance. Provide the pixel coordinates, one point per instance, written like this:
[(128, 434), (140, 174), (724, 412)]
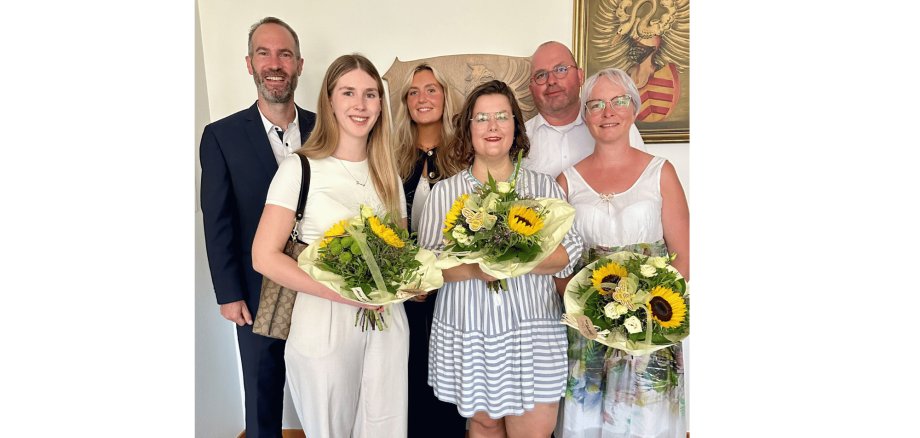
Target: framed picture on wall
[(650, 40)]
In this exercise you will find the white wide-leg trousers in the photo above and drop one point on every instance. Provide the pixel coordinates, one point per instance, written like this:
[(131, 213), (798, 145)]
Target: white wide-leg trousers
[(345, 382)]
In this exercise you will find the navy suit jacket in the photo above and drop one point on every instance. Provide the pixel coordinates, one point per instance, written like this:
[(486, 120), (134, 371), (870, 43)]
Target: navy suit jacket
[(237, 166)]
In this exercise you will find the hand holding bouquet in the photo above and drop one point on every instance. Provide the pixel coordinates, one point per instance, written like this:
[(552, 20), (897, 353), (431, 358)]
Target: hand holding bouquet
[(505, 233), (369, 260), (628, 301)]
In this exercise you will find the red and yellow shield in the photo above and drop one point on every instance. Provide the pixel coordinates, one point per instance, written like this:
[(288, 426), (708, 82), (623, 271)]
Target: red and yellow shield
[(660, 94)]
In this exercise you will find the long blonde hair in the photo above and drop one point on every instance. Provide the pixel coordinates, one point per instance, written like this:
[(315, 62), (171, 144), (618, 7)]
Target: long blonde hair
[(406, 130), (325, 136)]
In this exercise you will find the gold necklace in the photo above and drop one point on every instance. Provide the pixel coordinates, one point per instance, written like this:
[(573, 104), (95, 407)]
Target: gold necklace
[(352, 176)]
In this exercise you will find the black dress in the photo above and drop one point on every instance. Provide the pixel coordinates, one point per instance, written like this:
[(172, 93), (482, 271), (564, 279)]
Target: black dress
[(428, 416)]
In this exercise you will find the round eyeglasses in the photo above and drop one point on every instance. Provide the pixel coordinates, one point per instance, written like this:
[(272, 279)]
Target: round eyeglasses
[(559, 71), (482, 119)]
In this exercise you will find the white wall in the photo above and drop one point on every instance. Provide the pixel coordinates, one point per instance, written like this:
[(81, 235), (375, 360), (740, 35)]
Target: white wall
[(218, 394), (409, 29)]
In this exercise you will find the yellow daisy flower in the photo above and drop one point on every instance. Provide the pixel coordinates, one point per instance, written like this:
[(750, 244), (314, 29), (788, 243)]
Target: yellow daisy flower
[(524, 220), (385, 233), (667, 307), (337, 230), (454, 212), (612, 272)]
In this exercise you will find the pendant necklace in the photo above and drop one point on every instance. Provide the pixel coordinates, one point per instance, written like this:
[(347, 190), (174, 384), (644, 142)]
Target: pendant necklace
[(352, 176)]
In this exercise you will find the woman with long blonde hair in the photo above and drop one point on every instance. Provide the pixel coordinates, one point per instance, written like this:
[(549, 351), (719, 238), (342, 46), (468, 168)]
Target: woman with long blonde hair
[(344, 381), (423, 122), (423, 129)]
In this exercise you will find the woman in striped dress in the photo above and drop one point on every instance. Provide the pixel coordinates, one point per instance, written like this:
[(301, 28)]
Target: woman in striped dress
[(501, 358)]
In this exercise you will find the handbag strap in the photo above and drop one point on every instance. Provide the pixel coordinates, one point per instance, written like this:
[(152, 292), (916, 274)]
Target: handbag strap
[(302, 200)]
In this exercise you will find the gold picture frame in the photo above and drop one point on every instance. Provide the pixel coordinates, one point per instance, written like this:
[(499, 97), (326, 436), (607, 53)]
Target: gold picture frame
[(650, 40)]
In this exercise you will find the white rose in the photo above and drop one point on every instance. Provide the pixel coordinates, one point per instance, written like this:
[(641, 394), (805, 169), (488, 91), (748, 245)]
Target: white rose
[(658, 262), (614, 310), (647, 270), (610, 310), (503, 186), (632, 325)]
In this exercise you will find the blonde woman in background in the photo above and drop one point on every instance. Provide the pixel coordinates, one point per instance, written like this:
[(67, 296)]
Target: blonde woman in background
[(422, 126), (422, 123)]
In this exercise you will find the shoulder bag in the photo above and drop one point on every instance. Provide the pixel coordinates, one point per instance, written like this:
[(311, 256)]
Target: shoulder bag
[(276, 302)]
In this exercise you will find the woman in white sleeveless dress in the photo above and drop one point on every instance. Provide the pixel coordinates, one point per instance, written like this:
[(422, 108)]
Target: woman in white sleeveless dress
[(624, 199)]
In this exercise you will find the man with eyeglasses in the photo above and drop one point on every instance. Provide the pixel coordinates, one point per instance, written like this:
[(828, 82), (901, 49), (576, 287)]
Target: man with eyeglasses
[(558, 135)]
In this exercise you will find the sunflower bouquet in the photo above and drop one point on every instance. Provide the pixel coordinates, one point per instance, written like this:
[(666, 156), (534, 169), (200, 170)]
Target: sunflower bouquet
[(369, 260), (629, 301), (505, 233)]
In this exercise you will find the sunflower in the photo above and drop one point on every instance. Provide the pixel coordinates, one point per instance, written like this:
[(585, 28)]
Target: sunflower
[(454, 212), (667, 307), (610, 273), (385, 233), (524, 220), (337, 230)]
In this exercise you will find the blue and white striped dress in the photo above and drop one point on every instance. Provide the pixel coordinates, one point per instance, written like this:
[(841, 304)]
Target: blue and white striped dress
[(498, 353)]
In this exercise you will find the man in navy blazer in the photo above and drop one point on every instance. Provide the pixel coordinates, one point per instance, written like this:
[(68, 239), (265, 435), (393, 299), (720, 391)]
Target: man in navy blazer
[(239, 156)]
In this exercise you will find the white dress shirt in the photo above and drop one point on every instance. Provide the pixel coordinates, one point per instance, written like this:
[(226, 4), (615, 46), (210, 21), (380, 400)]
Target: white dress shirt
[(556, 148), (281, 148)]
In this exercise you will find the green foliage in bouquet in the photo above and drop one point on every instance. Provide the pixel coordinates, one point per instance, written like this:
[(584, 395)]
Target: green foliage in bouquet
[(373, 257)]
